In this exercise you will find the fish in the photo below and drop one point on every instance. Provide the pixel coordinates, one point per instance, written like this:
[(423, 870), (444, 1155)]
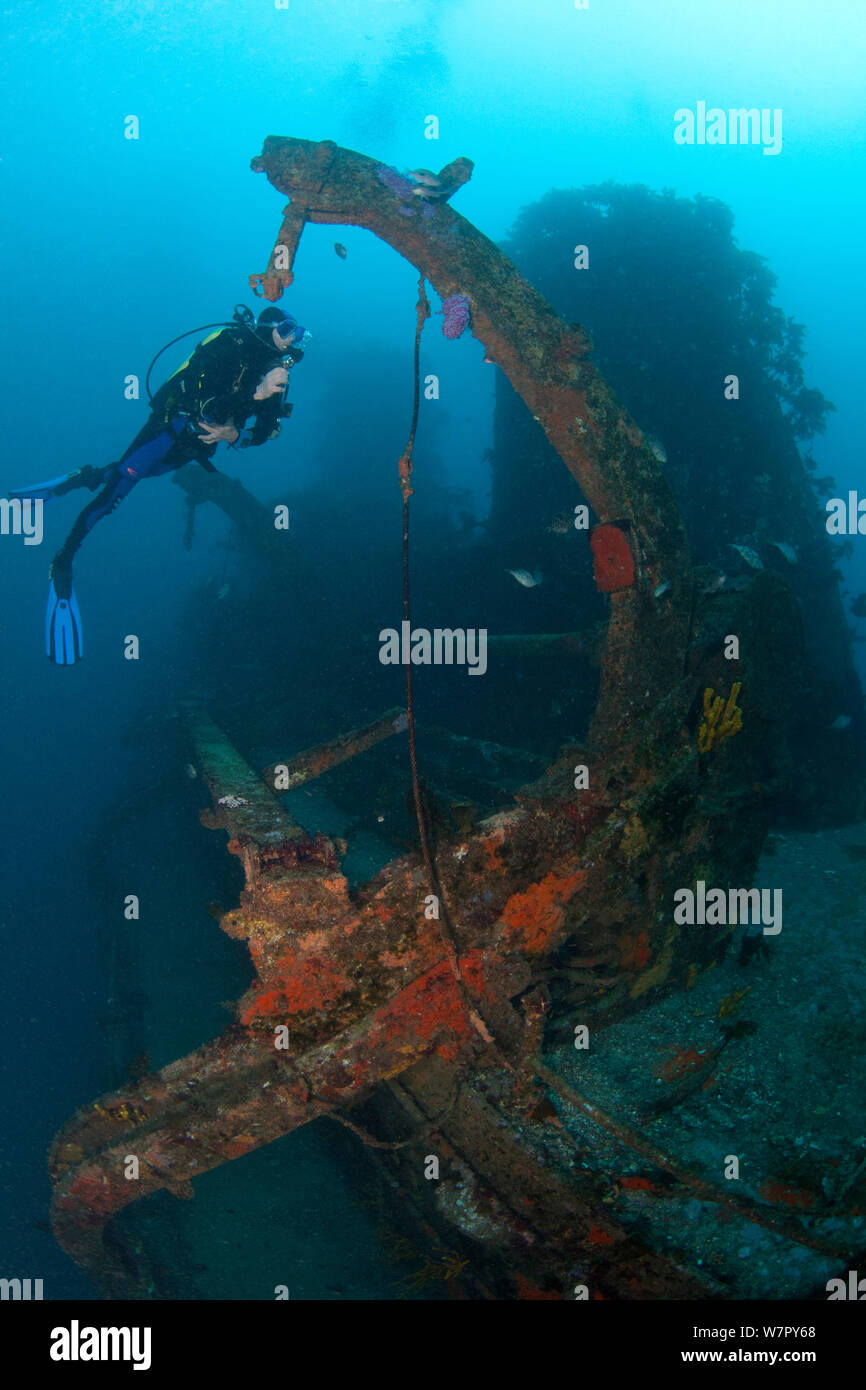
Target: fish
[(340, 250), (841, 721), (749, 556), (190, 772), (712, 581), (787, 550), (656, 447), (223, 590), (433, 188), (426, 176), (561, 524), (526, 577), (661, 589)]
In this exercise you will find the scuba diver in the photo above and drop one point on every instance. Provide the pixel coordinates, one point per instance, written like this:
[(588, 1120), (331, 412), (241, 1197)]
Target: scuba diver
[(239, 372)]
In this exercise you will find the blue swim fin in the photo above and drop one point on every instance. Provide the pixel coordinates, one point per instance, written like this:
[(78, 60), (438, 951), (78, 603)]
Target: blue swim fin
[(41, 490), (63, 628), (88, 477)]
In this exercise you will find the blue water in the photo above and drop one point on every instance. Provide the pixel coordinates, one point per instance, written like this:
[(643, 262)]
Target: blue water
[(112, 246)]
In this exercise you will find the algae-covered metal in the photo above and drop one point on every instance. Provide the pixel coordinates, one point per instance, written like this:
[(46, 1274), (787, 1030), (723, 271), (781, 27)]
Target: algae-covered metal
[(360, 992)]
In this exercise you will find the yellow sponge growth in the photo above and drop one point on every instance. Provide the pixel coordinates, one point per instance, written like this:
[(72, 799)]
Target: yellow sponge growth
[(721, 719)]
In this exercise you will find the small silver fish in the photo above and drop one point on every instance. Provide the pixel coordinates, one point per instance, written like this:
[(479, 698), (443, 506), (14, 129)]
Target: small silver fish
[(426, 176), (749, 556), (656, 447), (713, 583), (526, 577), (787, 550), (661, 589), (190, 772), (840, 722), (224, 588)]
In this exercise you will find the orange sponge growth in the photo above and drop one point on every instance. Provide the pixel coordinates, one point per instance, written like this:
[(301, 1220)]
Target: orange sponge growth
[(535, 916)]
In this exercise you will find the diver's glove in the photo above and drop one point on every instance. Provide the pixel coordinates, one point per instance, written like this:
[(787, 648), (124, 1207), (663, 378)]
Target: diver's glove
[(217, 434), (250, 441), (271, 384)]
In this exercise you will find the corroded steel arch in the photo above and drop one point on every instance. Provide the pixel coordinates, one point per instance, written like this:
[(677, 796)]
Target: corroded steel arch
[(546, 362)]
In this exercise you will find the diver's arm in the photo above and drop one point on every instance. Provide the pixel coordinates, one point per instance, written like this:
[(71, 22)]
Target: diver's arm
[(226, 416), (266, 405)]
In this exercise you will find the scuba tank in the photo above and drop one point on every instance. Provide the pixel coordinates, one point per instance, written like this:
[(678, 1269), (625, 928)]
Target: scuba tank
[(241, 318)]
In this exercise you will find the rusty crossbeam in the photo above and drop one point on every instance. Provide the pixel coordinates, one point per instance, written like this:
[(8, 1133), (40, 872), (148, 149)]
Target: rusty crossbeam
[(243, 806), (252, 520), (550, 1225), (532, 643), (364, 990), (363, 984), (304, 767)]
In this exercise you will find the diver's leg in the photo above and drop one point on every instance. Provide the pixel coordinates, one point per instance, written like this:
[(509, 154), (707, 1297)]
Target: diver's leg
[(156, 449), (152, 441), (160, 448), (63, 640), (153, 451), (103, 505)]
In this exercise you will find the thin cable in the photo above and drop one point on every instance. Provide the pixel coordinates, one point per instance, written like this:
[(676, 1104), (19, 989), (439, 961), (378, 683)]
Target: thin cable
[(405, 474)]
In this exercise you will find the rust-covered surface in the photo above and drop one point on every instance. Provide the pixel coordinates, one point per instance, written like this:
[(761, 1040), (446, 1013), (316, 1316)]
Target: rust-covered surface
[(358, 989), (366, 989)]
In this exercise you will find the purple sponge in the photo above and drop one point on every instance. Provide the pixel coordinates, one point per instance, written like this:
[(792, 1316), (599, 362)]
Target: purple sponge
[(456, 315)]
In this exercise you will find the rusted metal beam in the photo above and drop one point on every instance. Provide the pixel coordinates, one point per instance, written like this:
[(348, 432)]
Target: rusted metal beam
[(254, 523), (530, 644), (532, 1221), (364, 990), (305, 767), (361, 987), (244, 806)]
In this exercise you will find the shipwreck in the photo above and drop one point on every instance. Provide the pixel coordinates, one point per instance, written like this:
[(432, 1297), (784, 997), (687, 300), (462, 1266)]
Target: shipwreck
[(421, 1008)]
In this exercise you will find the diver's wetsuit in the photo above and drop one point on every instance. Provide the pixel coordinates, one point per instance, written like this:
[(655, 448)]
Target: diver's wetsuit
[(217, 384)]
